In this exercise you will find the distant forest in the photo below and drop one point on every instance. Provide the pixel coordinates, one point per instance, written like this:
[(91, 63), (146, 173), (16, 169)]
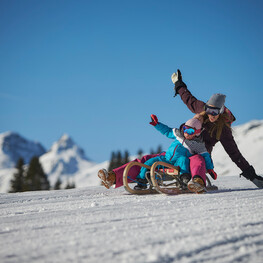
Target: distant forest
[(32, 178), (118, 159)]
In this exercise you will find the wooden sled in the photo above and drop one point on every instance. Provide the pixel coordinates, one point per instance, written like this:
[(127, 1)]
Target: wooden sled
[(126, 184), (165, 180), (174, 187)]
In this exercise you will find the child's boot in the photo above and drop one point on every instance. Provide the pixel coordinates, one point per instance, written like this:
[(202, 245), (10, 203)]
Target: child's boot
[(185, 178), (108, 178), (197, 185), (141, 184)]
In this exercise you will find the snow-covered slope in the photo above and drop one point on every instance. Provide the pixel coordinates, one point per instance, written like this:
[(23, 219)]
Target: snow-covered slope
[(249, 138), (95, 225)]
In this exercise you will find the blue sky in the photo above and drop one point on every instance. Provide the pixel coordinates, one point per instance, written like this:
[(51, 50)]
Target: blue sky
[(96, 70)]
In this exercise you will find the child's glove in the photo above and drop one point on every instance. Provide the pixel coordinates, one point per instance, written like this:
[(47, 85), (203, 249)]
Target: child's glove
[(212, 173), (154, 121)]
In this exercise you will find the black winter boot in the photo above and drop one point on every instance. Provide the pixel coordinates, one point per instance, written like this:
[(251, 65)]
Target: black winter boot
[(251, 175), (141, 184), (185, 178)]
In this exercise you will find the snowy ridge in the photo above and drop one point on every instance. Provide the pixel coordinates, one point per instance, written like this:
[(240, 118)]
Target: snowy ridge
[(13, 146)]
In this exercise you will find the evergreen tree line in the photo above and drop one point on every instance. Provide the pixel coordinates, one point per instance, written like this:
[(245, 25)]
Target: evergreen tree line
[(118, 159), (33, 178)]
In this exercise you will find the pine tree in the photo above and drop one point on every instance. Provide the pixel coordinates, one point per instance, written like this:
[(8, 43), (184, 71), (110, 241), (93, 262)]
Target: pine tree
[(112, 164), (35, 178), (17, 183), (70, 185), (152, 151), (159, 149), (57, 185), (119, 159), (139, 153), (126, 157)]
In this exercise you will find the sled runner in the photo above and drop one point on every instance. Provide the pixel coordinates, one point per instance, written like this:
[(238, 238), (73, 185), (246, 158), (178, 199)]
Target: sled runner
[(162, 178), (126, 185)]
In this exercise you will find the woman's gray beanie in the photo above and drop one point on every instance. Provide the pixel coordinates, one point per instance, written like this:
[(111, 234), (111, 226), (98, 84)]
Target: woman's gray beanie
[(217, 100)]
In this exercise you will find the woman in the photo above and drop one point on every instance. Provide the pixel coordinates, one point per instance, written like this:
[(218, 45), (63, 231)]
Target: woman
[(217, 121)]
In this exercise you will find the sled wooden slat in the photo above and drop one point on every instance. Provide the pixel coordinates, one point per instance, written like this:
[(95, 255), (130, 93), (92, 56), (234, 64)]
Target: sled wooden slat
[(165, 190), (126, 184)]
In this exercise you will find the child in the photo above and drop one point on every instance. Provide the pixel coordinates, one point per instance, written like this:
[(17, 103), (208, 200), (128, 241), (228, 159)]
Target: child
[(186, 144)]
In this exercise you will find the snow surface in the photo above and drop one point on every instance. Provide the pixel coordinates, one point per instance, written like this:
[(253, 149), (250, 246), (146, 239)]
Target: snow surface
[(94, 224)]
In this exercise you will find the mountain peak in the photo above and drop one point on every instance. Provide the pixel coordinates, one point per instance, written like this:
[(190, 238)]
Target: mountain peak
[(65, 142), (64, 160), (13, 146)]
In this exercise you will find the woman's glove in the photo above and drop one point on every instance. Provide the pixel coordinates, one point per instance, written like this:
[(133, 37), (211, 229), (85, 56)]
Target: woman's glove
[(212, 173), (154, 121), (177, 81), (250, 174)]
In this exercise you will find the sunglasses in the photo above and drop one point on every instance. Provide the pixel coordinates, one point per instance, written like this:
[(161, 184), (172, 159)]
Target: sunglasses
[(212, 110), (190, 130)]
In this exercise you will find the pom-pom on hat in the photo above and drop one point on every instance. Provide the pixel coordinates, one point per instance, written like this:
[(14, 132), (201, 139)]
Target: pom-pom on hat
[(195, 123)]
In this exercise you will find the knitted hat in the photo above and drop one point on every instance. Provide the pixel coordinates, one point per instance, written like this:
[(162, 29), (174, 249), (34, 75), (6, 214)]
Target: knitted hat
[(194, 123), (217, 100)]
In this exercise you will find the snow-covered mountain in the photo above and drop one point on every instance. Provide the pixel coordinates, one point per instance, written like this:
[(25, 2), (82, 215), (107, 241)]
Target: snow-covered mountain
[(13, 146), (67, 161)]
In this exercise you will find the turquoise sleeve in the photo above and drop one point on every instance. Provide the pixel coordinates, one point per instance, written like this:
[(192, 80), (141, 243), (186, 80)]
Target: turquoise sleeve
[(165, 130)]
